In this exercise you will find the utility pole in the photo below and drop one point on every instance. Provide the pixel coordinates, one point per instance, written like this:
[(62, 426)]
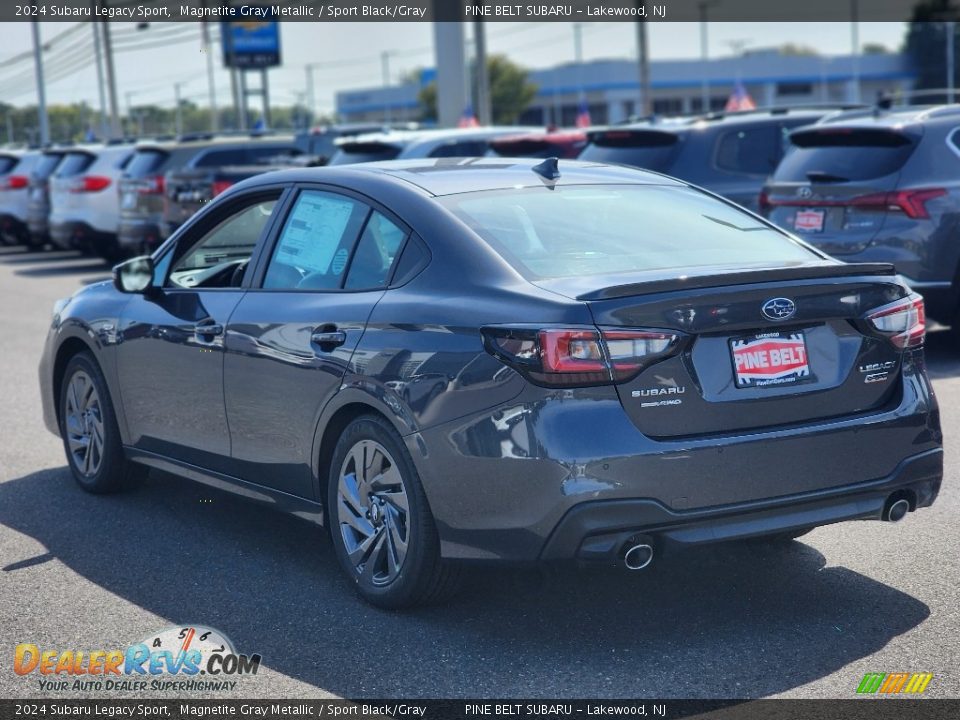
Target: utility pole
[(115, 129), (309, 94), (385, 68), (705, 54), (950, 28), (484, 111), (855, 48), (98, 52), (41, 90), (643, 57), (211, 84), (178, 128)]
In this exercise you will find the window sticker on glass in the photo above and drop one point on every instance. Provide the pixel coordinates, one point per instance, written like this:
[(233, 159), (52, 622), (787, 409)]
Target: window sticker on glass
[(313, 232)]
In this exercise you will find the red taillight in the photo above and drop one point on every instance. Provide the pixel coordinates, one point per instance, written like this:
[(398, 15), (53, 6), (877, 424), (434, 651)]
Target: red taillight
[(151, 186), (763, 201), (90, 183), (578, 356), (912, 203), (903, 321), (14, 182), (220, 186)]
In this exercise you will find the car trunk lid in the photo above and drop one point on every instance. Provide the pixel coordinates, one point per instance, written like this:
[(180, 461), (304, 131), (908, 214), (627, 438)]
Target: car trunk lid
[(761, 348)]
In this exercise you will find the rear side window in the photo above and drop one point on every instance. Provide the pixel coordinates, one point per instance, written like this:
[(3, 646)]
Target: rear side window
[(376, 251), (315, 245), (843, 154), (74, 163), (364, 152), (751, 151), (647, 149), (582, 231), (244, 155), (7, 164), (145, 162), (46, 164)]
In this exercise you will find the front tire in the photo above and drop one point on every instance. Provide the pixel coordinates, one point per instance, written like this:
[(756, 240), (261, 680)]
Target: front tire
[(88, 426), (383, 532)]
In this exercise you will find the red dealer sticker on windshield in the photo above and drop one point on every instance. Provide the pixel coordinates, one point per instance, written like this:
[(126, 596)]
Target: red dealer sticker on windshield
[(770, 359)]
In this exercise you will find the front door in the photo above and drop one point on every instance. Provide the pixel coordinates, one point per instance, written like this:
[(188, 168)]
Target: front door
[(171, 341)]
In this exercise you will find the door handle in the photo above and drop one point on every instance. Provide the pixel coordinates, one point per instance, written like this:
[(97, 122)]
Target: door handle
[(328, 339), (211, 329)]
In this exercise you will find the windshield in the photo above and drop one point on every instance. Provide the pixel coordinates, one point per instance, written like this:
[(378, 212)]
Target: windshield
[(592, 230)]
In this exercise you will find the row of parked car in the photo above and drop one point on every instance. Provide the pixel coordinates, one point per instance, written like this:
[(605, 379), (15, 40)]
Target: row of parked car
[(862, 183)]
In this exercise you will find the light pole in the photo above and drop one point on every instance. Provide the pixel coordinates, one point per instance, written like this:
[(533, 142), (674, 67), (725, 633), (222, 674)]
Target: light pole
[(484, 111), (855, 48), (702, 6), (211, 84), (385, 68), (643, 56), (950, 28), (41, 90), (178, 127)]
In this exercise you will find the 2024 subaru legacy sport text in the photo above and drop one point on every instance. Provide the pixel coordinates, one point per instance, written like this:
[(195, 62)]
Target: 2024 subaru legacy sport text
[(478, 359)]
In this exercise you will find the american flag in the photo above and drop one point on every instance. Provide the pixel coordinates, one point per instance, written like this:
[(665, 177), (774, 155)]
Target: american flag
[(740, 99), (468, 119), (583, 115)]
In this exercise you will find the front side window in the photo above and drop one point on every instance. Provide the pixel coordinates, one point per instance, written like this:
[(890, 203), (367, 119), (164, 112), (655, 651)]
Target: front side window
[(582, 231), (220, 257), (315, 245)]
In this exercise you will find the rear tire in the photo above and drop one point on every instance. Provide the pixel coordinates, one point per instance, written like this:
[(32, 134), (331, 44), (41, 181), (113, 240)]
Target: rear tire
[(88, 426), (382, 529)]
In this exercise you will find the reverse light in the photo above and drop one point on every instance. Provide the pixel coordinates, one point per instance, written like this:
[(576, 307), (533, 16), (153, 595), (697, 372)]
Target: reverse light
[(578, 356), (904, 321), (151, 185)]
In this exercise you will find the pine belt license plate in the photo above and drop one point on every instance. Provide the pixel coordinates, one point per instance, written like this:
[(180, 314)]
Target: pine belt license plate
[(809, 221), (770, 359)]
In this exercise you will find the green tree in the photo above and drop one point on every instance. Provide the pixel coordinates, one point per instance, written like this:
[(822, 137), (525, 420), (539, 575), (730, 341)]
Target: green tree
[(511, 92), (797, 49)]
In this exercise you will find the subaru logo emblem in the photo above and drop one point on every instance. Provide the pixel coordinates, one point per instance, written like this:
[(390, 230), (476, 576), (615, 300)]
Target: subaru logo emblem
[(779, 309)]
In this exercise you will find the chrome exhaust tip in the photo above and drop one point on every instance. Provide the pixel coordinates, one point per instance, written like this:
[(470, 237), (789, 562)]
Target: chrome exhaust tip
[(896, 511), (637, 557)]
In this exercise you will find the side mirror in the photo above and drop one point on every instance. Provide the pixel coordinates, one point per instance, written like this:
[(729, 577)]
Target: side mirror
[(134, 276)]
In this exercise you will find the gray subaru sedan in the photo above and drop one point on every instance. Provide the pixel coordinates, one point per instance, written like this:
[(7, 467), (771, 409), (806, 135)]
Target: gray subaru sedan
[(458, 360)]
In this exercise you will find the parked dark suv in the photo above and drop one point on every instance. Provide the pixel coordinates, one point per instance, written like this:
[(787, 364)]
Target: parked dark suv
[(879, 185), (38, 197), (729, 153)]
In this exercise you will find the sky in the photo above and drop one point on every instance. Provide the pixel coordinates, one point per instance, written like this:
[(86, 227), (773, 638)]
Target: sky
[(354, 51)]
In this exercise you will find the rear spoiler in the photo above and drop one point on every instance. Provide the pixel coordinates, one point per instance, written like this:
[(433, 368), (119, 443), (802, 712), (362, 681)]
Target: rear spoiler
[(738, 277)]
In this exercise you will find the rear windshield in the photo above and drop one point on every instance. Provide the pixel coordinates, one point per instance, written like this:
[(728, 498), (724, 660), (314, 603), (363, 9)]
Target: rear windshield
[(843, 154), (592, 230), (647, 149), (46, 165), (145, 162), (7, 163), (74, 163), (364, 152)]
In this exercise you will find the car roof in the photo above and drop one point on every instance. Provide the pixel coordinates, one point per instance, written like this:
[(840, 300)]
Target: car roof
[(896, 117), (448, 176), (719, 119)]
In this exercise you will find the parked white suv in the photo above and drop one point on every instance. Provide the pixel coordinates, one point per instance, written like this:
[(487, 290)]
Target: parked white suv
[(84, 201), (15, 167)]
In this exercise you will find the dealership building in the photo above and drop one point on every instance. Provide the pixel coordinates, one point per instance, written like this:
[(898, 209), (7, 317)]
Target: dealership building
[(611, 87)]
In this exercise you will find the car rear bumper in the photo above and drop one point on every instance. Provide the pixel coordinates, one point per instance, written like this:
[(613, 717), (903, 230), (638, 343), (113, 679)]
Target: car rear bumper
[(134, 236), (599, 531), (503, 484), (75, 235)]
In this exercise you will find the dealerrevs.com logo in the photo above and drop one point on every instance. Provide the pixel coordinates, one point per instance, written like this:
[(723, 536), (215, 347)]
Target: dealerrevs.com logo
[(178, 659)]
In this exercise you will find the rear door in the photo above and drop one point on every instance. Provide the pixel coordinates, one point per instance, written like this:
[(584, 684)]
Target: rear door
[(834, 188), (291, 339)]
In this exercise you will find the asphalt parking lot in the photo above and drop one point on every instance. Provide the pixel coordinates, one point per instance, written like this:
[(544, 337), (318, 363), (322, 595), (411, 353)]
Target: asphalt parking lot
[(804, 620)]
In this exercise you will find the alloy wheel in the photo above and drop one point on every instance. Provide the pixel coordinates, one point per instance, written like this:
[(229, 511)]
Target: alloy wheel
[(373, 512), (84, 424)]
